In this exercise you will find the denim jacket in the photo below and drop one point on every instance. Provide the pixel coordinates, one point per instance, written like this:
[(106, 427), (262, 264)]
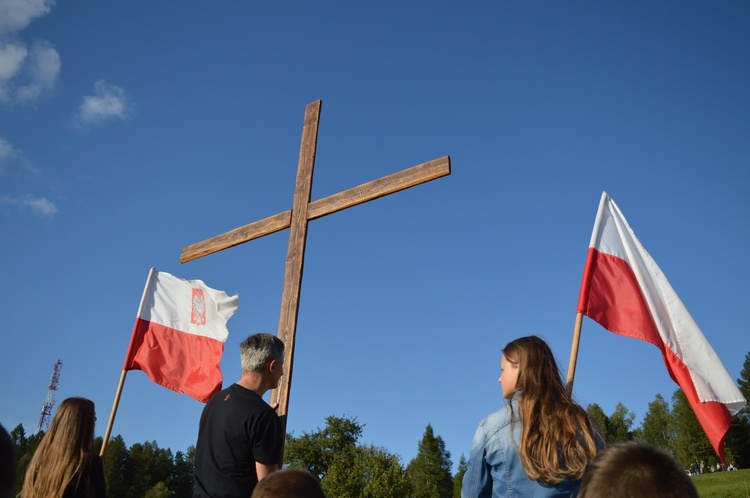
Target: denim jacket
[(494, 469)]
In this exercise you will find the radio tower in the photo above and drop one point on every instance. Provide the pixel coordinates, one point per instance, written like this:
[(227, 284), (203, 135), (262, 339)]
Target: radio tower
[(49, 400)]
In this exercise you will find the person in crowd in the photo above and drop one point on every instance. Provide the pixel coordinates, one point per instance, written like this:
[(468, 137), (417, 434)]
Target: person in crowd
[(289, 483), (636, 470), (8, 464), (240, 438), (65, 464), (540, 442)]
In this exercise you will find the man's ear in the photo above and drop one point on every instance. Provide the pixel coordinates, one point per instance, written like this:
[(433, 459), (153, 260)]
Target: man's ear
[(272, 365)]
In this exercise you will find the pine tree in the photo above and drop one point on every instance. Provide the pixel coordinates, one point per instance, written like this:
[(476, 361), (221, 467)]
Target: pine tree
[(738, 436), (430, 471), (115, 460), (737, 449), (744, 384), (691, 444), (18, 436), (458, 479), (25, 448), (181, 482), (602, 421)]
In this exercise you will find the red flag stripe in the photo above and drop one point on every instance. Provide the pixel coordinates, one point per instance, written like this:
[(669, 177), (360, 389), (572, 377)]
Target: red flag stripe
[(184, 363), (615, 300)]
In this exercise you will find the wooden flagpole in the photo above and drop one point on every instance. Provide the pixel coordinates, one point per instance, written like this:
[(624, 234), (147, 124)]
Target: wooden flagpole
[(116, 402), (583, 296), (574, 353), (113, 413)]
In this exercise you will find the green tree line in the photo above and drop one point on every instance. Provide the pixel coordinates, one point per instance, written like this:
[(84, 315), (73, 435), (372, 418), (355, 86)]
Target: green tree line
[(350, 469), (142, 470)]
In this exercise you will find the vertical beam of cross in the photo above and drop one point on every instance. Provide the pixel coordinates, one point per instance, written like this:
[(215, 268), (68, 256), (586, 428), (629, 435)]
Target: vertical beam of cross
[(295, 256)]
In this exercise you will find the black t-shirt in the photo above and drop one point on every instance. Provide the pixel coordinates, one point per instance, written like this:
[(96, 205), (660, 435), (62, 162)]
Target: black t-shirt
[(91, 484), (237, 428)]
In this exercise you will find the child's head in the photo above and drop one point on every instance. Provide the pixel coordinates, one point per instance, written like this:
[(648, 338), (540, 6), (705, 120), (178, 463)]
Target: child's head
[(636, 470), (73, 424), (537, 367), (289, 483)]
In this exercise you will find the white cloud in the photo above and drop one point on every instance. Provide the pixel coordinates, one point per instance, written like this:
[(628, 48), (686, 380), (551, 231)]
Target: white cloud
[(25, 74), (12, 56), (37, 205), (6, 149), (42, 70), (15, 15), (14, 166), (108, 102), (15, 161), (7, 152)]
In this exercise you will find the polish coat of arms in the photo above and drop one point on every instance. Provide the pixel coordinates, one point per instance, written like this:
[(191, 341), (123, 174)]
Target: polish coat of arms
[(198, 311)]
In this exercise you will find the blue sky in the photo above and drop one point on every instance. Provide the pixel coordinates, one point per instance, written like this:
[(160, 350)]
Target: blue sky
[(129, 130)]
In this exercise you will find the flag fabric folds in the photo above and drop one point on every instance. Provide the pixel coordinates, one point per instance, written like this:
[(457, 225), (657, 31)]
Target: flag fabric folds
[(179, 334), (625, 292)]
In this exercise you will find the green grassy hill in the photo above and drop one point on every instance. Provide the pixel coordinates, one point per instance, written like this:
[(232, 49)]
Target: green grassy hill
[(734, 484)]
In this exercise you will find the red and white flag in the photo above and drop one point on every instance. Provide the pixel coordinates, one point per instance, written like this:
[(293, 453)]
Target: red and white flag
[(179, 334), (626, 293)]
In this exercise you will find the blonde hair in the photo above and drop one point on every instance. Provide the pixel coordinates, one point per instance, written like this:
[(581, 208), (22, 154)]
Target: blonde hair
[(64, 452), (557, 438)]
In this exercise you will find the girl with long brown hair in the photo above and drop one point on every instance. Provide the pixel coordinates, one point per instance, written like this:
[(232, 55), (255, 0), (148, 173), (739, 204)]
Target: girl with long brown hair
[(65, 464), (541, 441)]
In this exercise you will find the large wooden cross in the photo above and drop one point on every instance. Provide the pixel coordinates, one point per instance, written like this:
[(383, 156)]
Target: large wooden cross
[(303, 211)]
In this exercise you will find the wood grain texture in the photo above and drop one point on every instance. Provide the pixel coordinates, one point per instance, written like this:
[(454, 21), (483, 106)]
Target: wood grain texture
[(237, 236), (357, 195), (378, 188), (295, 256)]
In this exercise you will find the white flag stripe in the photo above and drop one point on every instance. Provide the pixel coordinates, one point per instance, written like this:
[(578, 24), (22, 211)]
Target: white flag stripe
[(170, 302)]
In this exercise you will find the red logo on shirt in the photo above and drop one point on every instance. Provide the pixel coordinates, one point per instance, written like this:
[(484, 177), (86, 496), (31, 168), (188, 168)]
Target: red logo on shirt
[(198, 313), (227, 397)]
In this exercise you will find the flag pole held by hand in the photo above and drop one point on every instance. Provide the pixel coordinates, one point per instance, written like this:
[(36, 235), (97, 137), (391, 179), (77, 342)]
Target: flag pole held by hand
[(116, 402)]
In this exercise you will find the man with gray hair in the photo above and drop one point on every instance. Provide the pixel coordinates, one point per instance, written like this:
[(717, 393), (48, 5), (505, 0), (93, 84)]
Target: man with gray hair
[(240, 436)]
